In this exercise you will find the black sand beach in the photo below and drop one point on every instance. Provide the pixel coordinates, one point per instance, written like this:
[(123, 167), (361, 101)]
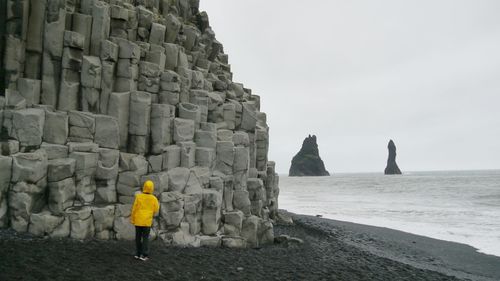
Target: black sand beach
[(332, 250)]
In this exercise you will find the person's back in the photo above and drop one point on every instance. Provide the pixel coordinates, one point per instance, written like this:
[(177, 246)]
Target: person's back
[(145, 206), (143, 210)]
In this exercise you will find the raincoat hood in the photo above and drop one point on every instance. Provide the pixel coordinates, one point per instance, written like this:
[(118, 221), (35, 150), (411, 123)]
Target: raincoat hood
[(148, 187)]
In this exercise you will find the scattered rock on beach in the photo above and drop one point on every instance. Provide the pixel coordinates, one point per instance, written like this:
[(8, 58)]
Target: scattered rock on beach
[(287, 240)]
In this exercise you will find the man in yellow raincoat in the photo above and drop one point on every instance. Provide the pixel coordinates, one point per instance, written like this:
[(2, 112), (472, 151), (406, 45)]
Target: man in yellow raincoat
[(145, 206)]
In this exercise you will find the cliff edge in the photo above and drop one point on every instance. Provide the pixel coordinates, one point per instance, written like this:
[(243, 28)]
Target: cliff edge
[(307, 161)]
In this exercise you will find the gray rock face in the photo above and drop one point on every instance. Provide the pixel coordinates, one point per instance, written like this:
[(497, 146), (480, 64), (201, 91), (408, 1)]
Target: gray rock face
[(392, 168), (61, 195), (56, 127), (100, 96), (27, 125)]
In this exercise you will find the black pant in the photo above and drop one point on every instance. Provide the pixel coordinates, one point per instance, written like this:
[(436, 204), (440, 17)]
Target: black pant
[(141, 240)]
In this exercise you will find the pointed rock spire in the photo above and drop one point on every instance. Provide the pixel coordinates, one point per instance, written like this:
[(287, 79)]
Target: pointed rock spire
[(392, 168), (307, 161)]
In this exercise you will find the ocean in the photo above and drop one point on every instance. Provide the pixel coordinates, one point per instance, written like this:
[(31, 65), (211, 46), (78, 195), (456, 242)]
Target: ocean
[(458, 206)]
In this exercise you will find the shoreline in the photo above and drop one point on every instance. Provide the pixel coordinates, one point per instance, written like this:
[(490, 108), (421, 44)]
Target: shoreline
[(331, 250), (450, 258), (381, 225)]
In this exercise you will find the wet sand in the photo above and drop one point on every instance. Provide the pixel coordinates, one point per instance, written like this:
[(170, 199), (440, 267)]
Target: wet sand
[(332, 250)]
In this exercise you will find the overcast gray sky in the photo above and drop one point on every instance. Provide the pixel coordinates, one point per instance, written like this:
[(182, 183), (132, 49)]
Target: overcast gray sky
[(425, 73)]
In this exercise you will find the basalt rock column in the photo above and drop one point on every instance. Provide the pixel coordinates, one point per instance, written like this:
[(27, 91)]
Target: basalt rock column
[(392, 168), (97, 97)]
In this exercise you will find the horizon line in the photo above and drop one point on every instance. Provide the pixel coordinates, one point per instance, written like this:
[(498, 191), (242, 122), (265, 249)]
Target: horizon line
[(403, 172)]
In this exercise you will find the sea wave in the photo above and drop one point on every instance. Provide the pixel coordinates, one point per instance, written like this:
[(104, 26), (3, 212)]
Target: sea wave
[(454, 206)]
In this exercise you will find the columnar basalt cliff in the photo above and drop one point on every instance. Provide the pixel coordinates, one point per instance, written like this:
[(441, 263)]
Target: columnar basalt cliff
[(392, 168), (100, 96), (307, 161)]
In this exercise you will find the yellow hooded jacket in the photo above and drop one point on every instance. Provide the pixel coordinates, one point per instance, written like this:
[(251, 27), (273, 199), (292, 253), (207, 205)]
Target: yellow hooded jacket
[(145, 206)]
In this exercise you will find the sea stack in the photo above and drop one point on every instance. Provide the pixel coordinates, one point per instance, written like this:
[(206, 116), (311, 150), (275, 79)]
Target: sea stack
[(307, 161), (392, 168)]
